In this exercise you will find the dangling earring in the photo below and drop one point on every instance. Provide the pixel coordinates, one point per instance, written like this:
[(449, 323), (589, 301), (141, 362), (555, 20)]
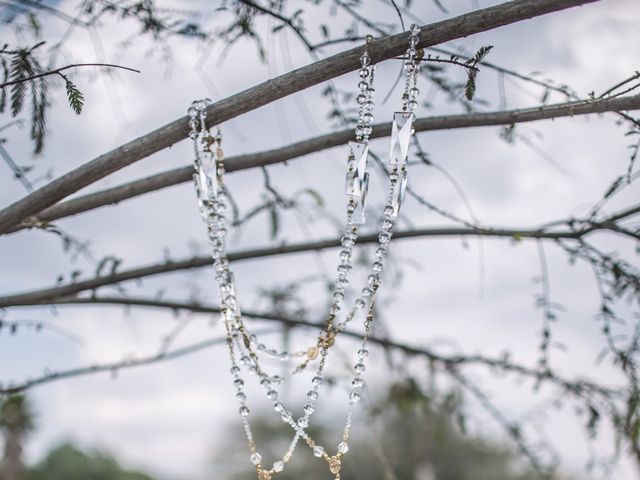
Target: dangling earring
[(357, 182), (402, 126)]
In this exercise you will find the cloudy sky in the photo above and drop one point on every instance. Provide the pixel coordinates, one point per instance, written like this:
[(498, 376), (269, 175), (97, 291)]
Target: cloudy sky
[(455, 295)]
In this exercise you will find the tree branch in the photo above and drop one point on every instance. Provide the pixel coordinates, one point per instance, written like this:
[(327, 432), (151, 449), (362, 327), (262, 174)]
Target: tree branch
[(305, 147), (573, 232), (62, 69), (271, 90), (575, 387)]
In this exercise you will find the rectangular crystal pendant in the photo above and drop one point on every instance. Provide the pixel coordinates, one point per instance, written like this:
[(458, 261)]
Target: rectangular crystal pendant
[(207, 176), (360, 213), (400, 137), (398, 193), (356, 167)]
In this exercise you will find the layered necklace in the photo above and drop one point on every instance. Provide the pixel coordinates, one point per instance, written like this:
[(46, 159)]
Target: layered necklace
[(246, 351)]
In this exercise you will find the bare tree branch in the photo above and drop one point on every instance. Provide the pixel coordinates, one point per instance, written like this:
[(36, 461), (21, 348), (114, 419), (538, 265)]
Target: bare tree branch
[(574, 230), (577, 387), (271, 90), (242, 162), (62, 69)]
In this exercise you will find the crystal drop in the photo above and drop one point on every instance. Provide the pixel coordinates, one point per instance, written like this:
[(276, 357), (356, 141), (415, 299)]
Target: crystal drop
[(244, 411), (278, 466), (318, 451), (309, 409), (312, 394), (357, 383), (400, 137), (354, 397), (238, 383), (256, 458), (398, 194), (303, 422), (278, 407), (360, 212), (357, 154), (343, 447), (316, 381), (359, 368), (272, 395)]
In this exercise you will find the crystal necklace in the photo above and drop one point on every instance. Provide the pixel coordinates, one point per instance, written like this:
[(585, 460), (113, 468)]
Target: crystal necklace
[(245, 349)]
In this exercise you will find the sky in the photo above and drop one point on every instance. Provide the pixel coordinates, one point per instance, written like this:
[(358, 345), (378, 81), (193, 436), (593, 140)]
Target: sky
[(453, 295)]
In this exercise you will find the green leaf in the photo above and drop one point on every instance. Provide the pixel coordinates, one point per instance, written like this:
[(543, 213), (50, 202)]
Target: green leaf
[(75, 96), (470, 86)]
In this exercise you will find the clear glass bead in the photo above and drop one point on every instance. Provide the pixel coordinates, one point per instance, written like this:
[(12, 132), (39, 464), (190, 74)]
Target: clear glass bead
[(362, 85), (360, 303), (245, 360), (276, 380), (238, 383), (363, 353), (371, 279), (388, 210), (278, 466), (244, 411), (235, 370), (366, 292), (272, 395), (253, 370), (256, 458), (345, 255), (364, 73), (354, 397), (359, 368), (338, 296), (241, 397), (312, 394), (357, 383), (316, 381), (265, 382), (343, 447), (414, 92), (278, 407), (318, 451), (309, 409), (303, 422), (413, 104), (344, 268), (368, 117), (361, 98), (284, 356), (377, 267), (384, 238), (415, 29)]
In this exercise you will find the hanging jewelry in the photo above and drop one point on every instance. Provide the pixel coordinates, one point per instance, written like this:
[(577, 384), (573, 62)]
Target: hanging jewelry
[(209, 184)]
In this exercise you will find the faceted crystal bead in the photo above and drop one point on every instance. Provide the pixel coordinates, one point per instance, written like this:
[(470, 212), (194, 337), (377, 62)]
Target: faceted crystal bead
[(276, 380), (278, 407), (256, 458), (241, 397), (363, 353), (235, 370), (265, 382), (343, 447), (309, 409), (238, 383), (359, 368), (244, 411), (357, 383), (312, 394), (245, 360), (400, 137), (272, 395), (398, 193), (354, 397), (358, 153), (278, 466), (360, 303), (415, 29), (316, 381), (360, 213), (303, 422), (318, 451)]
